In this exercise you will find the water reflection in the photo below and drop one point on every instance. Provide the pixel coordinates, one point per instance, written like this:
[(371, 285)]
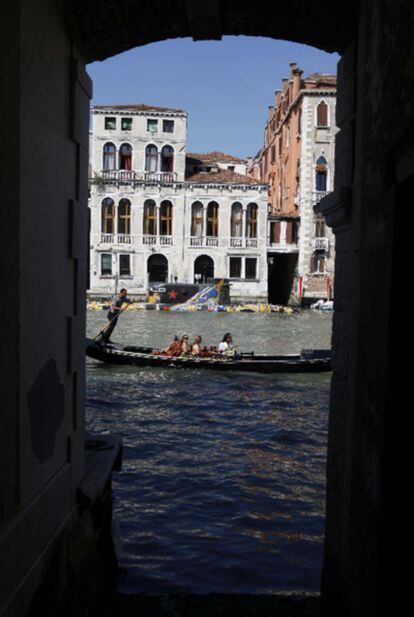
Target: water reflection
[(222, 487)]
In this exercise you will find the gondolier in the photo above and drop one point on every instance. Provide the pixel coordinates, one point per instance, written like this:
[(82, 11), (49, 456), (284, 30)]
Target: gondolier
[(113, 314)]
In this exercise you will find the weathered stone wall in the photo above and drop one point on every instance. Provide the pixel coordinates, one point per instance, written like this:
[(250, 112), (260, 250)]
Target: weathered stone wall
[(315, 142), (367, 458), (44, 147), (44, 175)]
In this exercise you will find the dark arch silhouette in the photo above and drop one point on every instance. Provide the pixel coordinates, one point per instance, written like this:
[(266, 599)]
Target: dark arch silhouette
[(328, 26), (157, 268), (203, 269)]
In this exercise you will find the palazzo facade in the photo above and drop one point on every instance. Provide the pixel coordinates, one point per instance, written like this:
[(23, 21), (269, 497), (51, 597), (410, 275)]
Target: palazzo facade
[(160, 215)]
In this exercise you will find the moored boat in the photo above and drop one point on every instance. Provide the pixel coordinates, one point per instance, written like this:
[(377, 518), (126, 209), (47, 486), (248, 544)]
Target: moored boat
[(308, 361)]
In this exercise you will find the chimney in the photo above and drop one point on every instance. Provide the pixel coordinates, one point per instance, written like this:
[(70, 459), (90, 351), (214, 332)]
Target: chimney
[(297, 81), (293, 66), (278, 97), (271, 110), (285, 82)]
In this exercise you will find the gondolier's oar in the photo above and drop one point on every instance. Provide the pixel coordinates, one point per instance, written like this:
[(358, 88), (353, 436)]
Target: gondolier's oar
[(105, 328)]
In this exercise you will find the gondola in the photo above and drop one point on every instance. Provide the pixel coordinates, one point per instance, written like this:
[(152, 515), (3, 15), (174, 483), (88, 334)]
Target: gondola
[(308, 361)]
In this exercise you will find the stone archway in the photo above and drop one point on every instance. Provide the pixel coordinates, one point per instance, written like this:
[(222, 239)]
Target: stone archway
[(124, 25), (157, 268), (203, 268), (45, 50)]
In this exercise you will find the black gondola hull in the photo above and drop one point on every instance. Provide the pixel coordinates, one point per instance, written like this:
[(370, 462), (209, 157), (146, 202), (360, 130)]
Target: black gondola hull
[(306, 362)]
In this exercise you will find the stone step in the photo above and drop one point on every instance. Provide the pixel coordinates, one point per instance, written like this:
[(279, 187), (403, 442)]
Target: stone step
[(213, 605)]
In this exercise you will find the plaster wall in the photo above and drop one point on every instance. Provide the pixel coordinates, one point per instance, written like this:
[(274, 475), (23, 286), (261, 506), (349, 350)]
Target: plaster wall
[(181, 253), (138, 137)]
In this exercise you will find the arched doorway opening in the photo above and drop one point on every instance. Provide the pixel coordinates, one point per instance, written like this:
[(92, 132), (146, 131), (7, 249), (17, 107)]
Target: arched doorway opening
[(203, 269), (362, 66), (157, 269)]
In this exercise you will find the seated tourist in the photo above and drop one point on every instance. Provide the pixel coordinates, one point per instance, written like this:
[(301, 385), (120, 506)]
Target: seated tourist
[(226, 347), (174, 349), (185, 346), (196, 346)]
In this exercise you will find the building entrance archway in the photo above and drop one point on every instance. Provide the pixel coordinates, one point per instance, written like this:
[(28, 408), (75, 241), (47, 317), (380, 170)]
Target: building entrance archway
[(157, 269), (45, 51), (203, 268)]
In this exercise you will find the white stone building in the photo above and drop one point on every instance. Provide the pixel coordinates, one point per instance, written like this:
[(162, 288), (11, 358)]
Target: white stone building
[(316, 241), (159, 216)]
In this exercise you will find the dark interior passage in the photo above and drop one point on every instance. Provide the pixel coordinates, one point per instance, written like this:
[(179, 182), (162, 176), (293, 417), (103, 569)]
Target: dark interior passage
[(281, 275)]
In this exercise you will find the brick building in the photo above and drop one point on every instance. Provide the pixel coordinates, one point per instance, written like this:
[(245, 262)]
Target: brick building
[(297, 161)]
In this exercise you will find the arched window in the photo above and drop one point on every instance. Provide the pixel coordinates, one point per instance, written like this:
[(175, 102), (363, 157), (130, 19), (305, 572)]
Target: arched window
[(167, 159), (166, 218), (151, 158), (212, 219), (124, 217), (321, 174), (125, 157), (157, 268), (251, 227), (150, 218), (109, 152), (108, 216), (236, 228), (322, 114), (203, 269), (197, 220)]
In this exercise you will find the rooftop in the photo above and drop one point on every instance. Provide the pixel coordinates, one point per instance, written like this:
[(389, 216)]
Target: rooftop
[(214, 157), (323, 79), (138, 107), (223, 176)]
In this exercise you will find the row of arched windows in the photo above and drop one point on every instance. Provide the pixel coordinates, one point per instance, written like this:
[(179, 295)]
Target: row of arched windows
[(203, 222), (121, 215), (155, 160)]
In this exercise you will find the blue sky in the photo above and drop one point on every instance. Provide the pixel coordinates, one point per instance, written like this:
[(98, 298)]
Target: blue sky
[(226, 86)]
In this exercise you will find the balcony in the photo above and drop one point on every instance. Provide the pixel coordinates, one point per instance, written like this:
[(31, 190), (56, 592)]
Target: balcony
[(149, 240), (321, 244), (116, 176), (236, 242), (116, 239), (128, 239), (251, 243), (164, 177), (195, 241), (248, 243), (317, 196)]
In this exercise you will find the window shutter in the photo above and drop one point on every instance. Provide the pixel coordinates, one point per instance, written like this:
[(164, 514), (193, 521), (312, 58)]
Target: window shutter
[(322, 114)]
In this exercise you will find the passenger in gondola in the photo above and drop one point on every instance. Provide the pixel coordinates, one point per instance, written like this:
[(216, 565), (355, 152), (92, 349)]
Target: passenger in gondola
[(185, 345), (196, 346), (174, 349), (226, 347)]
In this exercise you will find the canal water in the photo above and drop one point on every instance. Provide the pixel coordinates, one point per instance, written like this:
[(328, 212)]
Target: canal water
[(223, 481)]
